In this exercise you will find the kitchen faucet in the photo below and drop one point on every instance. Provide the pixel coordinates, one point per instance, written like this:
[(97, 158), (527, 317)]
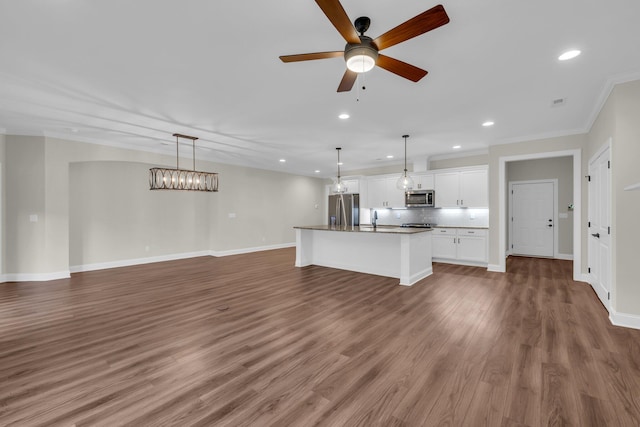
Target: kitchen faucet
[(375, 219)]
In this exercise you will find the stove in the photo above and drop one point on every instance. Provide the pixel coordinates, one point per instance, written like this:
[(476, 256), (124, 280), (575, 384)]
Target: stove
[(417, 225)]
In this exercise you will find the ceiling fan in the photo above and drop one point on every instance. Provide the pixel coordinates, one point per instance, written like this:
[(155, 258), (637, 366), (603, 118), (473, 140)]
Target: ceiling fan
[(361, 52)]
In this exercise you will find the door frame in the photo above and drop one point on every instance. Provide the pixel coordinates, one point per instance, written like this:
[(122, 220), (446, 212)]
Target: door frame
[(553, 181), (577, 209)]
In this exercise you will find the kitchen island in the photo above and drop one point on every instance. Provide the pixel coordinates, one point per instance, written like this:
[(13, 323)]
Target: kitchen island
[(402, 253)]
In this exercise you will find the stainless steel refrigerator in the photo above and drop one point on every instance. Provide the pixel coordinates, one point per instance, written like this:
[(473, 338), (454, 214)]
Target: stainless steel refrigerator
[(344, 209)]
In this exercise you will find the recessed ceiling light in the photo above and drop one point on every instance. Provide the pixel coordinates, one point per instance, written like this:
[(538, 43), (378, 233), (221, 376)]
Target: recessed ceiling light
[(570, 54), (339, 163), (343, 116), (282, 160), (456, 147), (488, 123), (390, 156), (317, 171)]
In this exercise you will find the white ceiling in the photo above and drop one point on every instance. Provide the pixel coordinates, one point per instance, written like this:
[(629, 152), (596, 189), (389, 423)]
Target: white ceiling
[(132, 73)]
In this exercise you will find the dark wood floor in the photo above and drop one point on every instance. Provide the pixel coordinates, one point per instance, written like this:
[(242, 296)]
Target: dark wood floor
[(251, 340)]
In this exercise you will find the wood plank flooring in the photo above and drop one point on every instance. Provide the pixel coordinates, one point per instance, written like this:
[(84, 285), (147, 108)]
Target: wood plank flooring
[(250, 340)]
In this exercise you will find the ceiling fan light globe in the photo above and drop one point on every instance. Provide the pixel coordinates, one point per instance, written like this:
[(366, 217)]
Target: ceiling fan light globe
[(360, 63), (361, 57)]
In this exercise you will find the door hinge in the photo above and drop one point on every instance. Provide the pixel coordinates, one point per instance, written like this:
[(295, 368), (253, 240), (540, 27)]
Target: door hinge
[(608, 164), (608, 295), (608, 230), (511, 246), (589, 270), (588, 177), (511, 191), (589, 224)]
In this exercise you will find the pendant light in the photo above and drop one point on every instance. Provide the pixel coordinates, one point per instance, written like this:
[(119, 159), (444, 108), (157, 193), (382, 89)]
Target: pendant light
[(405, 182), (182, 179), (338, 186)]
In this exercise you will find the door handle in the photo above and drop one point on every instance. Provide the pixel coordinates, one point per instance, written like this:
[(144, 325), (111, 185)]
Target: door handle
[(596, 235), (550, 225)]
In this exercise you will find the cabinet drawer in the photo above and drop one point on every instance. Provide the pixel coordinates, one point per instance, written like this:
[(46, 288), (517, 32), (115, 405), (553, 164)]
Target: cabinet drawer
[(474, 232), (444, 231)]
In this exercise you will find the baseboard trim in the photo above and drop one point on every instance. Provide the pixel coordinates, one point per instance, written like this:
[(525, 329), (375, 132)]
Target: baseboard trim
[(250, 250), (417, 277), (568, 257), (496, 268), (624, 319), (136, 261), (35, 277), (42, 277)]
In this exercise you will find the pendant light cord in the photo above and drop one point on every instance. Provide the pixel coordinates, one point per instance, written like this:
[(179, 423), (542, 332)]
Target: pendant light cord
[(405, 154)]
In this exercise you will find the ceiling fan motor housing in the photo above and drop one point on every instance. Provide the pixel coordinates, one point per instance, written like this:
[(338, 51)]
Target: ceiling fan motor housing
[(354, 53)]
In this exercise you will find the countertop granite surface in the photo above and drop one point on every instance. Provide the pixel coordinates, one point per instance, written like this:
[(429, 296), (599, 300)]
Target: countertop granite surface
[(388, 229), (462, 226)]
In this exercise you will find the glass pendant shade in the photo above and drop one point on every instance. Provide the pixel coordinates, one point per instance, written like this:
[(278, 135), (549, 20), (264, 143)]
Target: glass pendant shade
[(405, 182), (338, 186)]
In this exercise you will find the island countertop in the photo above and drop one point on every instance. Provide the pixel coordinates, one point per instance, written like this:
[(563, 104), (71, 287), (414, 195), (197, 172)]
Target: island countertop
[(400, 252), (387, 229)]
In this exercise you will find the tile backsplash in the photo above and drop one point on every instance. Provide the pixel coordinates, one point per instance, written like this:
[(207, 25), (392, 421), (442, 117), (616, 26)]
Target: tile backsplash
[(455, 217)]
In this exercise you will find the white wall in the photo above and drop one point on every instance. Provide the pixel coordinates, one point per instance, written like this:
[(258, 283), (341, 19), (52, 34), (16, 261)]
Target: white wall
[(3, 204), (25, 187), (459, 162), (116, 217), (626, 209), (618, 120)]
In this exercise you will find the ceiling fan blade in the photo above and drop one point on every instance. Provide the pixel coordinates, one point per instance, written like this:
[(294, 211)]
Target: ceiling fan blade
[(426, 21), (347, 81), (311, 56), (400, 68), (339, 18)]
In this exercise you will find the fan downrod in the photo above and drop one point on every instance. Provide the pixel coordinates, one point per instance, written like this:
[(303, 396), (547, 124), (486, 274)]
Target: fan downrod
[(362, 24)]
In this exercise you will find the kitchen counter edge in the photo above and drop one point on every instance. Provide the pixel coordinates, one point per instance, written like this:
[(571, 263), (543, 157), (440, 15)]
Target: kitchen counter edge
[(366, 229)]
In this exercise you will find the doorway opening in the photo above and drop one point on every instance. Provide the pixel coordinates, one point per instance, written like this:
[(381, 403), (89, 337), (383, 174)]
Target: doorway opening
[(575, 204)]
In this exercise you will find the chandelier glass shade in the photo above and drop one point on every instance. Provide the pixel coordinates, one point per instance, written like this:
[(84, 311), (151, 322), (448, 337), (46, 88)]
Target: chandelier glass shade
[(182, 179)]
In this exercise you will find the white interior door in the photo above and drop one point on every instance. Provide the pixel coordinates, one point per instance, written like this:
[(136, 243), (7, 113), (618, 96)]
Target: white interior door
[(532, 216), (599, 226)]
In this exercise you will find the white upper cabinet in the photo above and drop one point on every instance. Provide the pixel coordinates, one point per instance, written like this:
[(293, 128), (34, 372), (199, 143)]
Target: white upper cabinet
[(382, 192), (462, 189), (447, 190), (423, 181), (474, 189)]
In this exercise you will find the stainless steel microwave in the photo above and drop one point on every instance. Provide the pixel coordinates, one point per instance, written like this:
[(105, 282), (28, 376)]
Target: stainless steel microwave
[(419, 198)]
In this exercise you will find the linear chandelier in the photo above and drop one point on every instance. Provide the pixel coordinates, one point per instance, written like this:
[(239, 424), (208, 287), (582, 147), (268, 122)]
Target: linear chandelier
[(182, 179)]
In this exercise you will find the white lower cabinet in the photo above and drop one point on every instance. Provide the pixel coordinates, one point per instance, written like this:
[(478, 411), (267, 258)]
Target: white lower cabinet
[(460, 244)]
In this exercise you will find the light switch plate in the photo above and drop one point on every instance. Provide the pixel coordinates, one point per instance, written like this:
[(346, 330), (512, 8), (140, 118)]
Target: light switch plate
[(33, 218)]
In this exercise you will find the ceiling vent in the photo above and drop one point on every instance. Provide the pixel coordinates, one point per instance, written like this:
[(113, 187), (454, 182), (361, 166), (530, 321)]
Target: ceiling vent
[(559, 102)]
